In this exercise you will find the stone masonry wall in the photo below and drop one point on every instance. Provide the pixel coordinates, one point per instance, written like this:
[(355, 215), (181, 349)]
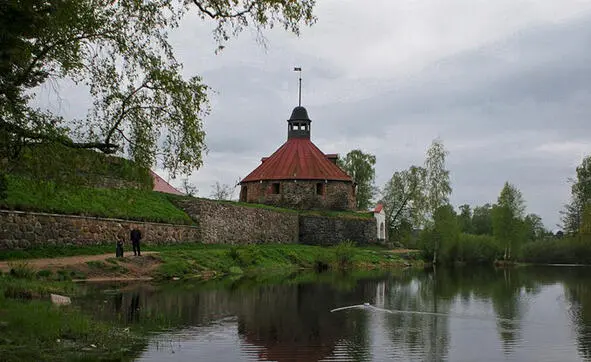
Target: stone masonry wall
[(227, 223), (26, 229), (218, 223), (321, 230), (302, 194)]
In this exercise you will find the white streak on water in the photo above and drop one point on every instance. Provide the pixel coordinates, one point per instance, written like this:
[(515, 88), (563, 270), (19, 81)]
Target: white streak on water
[(368, 306)]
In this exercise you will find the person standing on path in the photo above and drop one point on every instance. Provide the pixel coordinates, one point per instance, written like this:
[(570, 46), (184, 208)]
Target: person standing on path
[(135, 237), (120, 241)]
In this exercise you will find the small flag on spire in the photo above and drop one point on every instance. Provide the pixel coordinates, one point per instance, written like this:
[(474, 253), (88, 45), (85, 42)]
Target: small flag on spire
[(297, 69)]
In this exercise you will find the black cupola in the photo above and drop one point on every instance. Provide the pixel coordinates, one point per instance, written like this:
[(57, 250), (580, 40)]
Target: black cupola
[(298, 124)]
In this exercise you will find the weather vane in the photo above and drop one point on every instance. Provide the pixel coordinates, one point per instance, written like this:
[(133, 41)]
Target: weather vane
[(299, 69)]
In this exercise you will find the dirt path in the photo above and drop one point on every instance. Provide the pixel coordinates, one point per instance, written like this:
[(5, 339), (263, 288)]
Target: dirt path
[(55, 263)]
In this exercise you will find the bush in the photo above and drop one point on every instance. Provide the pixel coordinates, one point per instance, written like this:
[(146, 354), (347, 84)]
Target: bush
[(21, 270), (475, 249), (249, 256), (321, 261), (44, 273), (245, 256), (344, 253), (235, 270), (572, 250), (233, 253), (472, 249)]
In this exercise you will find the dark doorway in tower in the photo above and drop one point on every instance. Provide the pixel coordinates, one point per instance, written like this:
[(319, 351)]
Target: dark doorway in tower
[(320, 188), (275, 188)]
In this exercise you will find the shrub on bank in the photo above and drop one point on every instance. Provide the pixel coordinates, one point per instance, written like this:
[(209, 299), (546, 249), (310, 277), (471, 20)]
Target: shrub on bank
[(468, 248), (475, 249), (574, 250), (344, 253)]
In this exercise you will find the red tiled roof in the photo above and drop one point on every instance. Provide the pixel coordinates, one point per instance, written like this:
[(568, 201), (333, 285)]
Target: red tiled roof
[(297, 159), (161, 185), (378, 208)]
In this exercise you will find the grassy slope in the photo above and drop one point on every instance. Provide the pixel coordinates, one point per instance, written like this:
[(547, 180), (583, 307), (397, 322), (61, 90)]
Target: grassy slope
[(46, 196), (77, 166)]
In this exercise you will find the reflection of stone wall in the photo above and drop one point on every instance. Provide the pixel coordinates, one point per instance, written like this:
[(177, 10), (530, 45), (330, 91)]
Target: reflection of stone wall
[(319, 230), (226, 223), (25, 229), (302, 194)]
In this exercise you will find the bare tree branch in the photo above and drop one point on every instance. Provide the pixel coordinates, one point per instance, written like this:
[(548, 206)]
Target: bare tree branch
[(219, 14)]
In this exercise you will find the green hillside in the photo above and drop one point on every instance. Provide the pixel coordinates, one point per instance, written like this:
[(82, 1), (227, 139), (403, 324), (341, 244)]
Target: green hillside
[(133, 204)]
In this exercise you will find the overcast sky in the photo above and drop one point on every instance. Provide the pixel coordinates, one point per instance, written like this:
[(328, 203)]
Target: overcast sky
[(506, 84)]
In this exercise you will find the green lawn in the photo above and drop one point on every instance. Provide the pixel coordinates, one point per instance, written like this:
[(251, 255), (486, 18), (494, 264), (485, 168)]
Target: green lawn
[(46, 196)]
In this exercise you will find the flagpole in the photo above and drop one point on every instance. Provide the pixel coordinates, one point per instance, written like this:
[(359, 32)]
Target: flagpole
[(299, 69)]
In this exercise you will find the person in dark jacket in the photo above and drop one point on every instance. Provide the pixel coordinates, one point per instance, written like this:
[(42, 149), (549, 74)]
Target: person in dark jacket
[(120, 240), (135, 237)]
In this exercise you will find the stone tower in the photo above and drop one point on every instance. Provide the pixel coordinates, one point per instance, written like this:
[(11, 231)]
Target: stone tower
[(298, 175)]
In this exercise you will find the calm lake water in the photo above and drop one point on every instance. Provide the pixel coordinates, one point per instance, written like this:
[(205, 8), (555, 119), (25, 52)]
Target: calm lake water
[(466, 314)]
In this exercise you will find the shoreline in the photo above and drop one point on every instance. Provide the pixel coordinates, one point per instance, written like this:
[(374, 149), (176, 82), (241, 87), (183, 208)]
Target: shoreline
[(199, 261)]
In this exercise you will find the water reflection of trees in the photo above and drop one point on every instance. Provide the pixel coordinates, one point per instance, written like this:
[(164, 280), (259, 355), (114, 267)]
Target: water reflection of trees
[(424, 337), (288, 320), (427, 336), (577, 292)]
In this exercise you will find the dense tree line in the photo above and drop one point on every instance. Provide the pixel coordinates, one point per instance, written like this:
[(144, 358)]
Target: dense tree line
[(419, 215)]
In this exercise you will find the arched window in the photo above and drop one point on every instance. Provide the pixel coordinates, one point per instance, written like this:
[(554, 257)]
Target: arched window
[(382, 231)]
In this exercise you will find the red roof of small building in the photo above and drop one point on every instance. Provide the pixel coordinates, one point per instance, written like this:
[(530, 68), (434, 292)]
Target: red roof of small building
[(161, 185), (297, 159), (378, 208)]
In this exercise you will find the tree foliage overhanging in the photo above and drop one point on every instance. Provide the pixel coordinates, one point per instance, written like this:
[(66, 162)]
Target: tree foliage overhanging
[(142, 103)]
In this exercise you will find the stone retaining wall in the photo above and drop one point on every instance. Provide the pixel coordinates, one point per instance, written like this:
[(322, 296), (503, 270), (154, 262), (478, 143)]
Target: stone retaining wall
[(217, 223), (322, 230), (227, 223), (26, 229)]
